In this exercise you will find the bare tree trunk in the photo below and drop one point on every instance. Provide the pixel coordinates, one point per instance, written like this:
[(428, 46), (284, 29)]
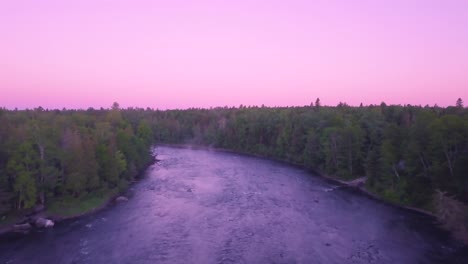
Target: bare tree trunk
[(395, 171), (41, 180), (19, 200), (41, 151), (334, 151), (350, 158), (421, 158), (449, 161)]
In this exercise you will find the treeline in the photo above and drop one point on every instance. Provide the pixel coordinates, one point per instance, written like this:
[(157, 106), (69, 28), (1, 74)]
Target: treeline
[(46, 155), (406, 152)]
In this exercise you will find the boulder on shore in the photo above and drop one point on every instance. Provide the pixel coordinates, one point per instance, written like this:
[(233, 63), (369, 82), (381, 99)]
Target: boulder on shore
[(358, 183), (121, 199), (42, 222)]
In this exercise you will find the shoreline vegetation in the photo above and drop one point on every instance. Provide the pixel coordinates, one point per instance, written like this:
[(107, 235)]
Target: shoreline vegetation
[(61, 210), (63, 164), (411, 156), (68, 208)]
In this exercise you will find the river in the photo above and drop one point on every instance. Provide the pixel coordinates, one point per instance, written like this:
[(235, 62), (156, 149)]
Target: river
[(199, 206)]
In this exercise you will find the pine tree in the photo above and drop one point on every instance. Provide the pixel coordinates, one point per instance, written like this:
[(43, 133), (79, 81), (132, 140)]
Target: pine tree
[(459, 103)]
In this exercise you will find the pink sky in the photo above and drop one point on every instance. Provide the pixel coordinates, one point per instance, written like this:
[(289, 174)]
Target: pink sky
[(179, 53)]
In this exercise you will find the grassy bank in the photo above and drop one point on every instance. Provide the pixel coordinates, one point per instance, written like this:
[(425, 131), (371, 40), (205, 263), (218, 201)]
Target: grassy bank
[(62, 208), (69, 207)]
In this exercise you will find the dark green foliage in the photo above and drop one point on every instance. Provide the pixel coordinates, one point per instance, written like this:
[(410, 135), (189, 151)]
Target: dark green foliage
[(47, 155), (406, 152)]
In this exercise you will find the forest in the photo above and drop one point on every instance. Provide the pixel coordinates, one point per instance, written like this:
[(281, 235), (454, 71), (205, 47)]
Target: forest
[(406, 152), (46, 156), (410, 155)]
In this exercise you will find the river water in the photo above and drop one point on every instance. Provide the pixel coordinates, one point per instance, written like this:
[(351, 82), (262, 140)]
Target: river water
[(198, 206)]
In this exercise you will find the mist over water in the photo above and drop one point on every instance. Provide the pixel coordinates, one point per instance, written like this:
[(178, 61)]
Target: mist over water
[(198, 206)]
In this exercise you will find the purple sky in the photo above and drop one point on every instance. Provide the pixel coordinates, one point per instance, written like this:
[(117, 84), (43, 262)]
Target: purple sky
[(179, 54)]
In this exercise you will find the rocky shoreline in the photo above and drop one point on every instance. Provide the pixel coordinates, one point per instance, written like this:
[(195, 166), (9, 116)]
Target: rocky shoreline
[(41, 219), (38, 218)]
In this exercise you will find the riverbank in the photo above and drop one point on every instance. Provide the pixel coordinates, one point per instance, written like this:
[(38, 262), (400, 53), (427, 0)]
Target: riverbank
[(61, 209), (450, 214), (66, 208), (69, 208), (360, 185)]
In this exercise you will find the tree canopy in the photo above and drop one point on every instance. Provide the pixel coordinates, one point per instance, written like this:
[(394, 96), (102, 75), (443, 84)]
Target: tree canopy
[(406, 152)]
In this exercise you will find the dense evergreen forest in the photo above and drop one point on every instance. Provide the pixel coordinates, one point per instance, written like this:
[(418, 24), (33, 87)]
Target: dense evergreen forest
[(410, 154), (48, 155), (407, 152)]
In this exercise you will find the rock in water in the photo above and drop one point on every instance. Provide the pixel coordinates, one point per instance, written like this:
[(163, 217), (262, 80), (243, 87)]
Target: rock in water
[(49, 223), (121, 199), (42, 222)]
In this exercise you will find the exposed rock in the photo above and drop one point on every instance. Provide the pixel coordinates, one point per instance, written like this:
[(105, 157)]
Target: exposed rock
[(33, 218), (359, 182), (121, 199), (453, 214), (42, 222), (22, 227)]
